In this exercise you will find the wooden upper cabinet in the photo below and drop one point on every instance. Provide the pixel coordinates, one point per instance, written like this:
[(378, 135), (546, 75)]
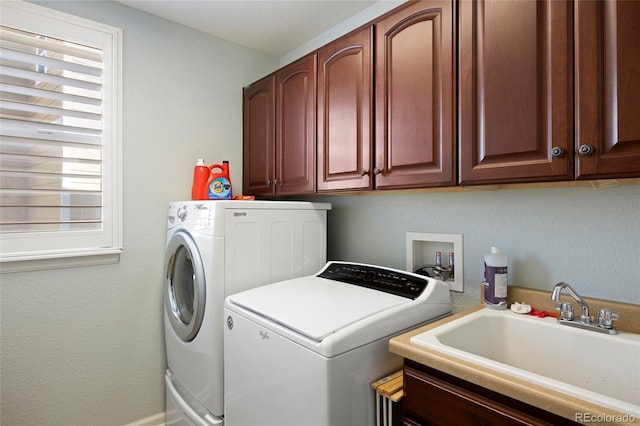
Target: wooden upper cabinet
[(258, 137), (279, 128), (516, 97), (386, 110), (345, 113), (295, 164), (607, 57), (415, 112)]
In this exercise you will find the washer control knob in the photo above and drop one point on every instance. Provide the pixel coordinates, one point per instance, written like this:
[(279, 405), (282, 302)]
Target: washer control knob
[(182, 213)]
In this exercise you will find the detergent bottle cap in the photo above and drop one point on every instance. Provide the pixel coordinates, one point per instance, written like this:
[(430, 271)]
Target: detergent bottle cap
[(200, 162)]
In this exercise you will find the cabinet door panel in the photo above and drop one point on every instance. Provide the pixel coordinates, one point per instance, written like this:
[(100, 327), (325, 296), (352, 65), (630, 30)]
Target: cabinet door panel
[(437, 402), (258, 137), (345, 112), (507, 101), (414, 97), (296, 127), (608, 88), (515, 91), (434, 398)]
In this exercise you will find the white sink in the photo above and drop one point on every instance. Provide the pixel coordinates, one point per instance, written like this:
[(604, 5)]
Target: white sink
[(599, 368)]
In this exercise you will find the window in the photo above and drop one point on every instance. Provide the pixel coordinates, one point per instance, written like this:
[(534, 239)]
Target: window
[(60, 139)]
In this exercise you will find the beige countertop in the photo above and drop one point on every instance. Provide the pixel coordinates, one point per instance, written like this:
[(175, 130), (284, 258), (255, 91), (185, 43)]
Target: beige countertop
[(521, 390)]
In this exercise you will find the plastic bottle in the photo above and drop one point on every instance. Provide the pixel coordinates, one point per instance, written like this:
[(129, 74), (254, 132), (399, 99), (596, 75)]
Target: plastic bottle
[(495, 279), (452, 268), (219, 184), (201, 175)]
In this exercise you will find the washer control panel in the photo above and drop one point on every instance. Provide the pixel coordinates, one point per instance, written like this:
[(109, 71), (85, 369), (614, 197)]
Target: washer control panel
[(377, 278), (196, 214)]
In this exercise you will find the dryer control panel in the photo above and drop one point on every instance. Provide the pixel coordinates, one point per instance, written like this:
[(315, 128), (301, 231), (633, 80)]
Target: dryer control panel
[(377, 278)]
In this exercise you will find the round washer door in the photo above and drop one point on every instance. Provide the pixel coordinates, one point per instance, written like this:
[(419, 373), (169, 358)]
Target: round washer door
[(185, 286)]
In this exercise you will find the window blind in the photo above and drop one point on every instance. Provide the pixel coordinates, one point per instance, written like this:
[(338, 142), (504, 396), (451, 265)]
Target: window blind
[(59, 134), (50, 134)]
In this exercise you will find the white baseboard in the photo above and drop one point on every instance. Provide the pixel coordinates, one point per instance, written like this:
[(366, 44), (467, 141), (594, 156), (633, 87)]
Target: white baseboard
[(155, 420)]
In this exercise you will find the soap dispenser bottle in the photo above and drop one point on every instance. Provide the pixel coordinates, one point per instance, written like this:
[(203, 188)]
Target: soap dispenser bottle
[(201, 175), (495, 279)]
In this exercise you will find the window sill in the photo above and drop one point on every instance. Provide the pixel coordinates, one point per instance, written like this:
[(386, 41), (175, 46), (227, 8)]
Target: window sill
[(58, 261)]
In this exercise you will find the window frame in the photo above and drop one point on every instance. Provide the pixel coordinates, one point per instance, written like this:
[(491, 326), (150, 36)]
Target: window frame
[(47, 250)]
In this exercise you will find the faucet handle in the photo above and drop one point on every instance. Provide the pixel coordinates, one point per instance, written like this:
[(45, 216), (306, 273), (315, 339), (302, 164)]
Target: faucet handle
[(606, 318), (566, 311)]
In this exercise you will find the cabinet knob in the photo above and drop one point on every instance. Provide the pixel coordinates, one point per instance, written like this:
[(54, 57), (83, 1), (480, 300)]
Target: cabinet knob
[(276, 181), (377, 171), (557, 152), (364, 172), (268, 182), (585, 150)]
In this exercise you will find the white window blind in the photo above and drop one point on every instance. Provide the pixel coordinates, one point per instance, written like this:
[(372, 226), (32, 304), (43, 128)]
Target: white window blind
[(59, 136)]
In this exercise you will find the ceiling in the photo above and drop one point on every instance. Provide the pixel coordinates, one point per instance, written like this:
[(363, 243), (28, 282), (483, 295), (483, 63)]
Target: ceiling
[(275, 27)]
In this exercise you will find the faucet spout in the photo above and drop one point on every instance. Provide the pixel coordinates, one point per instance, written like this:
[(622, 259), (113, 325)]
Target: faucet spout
[(555, 296)]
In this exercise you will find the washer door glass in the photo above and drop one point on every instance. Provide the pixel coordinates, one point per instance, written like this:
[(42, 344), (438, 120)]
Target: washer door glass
[(185, 286)]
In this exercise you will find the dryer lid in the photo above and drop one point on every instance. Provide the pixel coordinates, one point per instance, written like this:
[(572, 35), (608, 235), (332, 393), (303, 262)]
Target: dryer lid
[(315, 307)]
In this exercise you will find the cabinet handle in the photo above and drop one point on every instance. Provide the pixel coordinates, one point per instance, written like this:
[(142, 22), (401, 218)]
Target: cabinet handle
[(268, 182), (364, 172), (276, 181), (585, 150), (377, 171), (557, 152)]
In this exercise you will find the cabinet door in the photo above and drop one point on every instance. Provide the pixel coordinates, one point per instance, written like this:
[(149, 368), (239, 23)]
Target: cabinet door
[(437, 402), (296, 127), (607, 57), (415, 96), (258, 137), (515, 83), (345, 113), (435, 398)]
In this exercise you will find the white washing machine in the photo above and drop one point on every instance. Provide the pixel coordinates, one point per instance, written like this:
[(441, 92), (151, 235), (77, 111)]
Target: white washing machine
[(214, 249), (305, 351)]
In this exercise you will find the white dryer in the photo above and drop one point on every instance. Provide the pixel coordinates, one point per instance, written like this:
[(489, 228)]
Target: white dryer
[(214, 249), (305, 351)]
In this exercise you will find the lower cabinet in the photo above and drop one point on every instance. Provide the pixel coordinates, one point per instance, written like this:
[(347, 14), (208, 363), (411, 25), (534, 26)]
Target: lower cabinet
[(432, 397)]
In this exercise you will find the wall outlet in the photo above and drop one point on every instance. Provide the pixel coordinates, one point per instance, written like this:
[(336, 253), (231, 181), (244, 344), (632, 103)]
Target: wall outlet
[(421, 250)]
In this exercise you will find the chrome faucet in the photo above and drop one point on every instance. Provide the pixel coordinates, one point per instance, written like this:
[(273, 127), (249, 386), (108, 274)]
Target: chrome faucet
[(605, 320), (566, 310)]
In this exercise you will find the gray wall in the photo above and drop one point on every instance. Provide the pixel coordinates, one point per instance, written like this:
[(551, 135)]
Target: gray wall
[(85, 346), (587, 237)]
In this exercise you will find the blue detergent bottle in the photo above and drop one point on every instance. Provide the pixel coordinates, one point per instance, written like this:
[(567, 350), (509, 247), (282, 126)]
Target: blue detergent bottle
[(219, 184)]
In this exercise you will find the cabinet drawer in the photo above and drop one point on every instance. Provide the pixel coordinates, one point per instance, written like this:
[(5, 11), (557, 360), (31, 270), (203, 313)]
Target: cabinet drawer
[(439, 399)]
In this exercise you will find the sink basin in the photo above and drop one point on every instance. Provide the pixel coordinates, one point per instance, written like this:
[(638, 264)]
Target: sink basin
[(599, 368)]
